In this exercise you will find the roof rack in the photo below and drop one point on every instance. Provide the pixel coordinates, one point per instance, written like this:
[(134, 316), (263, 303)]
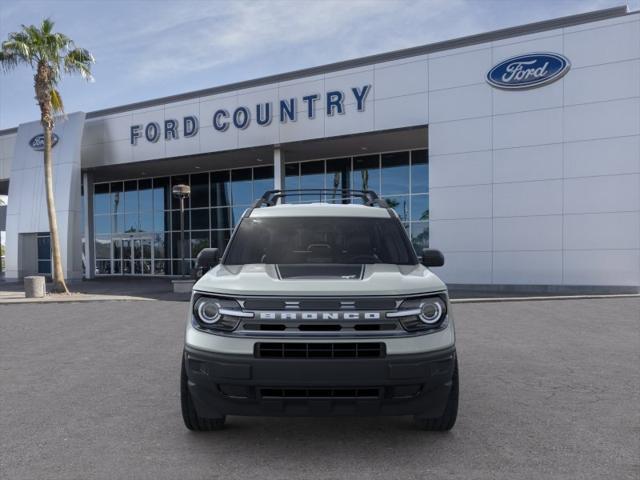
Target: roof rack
[(369, 197)]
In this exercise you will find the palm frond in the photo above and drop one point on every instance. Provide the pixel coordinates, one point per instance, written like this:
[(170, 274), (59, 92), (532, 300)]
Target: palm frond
[(56, 101), (8, 60), (79, 60)]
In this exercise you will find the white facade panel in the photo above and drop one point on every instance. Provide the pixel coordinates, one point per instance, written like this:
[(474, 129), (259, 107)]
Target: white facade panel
[(466, 268), (596, 46), (460, 103), (602, 120), (351, 122), (540, 162), (461, 235), (459, 69), (505, 101), (398, 112), (543, 197), (399, 80), (609, 156), (602, 82), (602, 267), (550, 41), (527, 268), (470, 168), (614, 193), (460, 202), (602, 231), (460, 136), (527, 128), (528, 233)]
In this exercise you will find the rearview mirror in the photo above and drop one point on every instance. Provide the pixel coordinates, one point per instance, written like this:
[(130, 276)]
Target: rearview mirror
[(432, 257)]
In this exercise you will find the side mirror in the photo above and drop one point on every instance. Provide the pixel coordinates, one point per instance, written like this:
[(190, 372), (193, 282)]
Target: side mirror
[(432, 257), (207, 259)]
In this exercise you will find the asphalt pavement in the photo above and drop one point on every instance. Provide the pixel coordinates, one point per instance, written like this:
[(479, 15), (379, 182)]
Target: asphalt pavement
[(549, 390)]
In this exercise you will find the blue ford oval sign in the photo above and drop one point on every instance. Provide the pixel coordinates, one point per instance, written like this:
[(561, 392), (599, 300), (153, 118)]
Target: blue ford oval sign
[(37, 142), (528, 71)]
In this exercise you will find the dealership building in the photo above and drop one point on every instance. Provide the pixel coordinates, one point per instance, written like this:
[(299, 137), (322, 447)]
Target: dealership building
[(515, 152)]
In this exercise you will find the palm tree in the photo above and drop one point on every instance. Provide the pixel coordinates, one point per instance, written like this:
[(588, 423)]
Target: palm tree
[(50, 55)]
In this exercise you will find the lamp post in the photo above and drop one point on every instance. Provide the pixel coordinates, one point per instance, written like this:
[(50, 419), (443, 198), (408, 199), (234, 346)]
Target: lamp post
[(182, 192)]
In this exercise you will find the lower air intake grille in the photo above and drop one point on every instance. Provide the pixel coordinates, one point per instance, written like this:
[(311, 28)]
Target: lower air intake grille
[(319, 350), (320, 392)]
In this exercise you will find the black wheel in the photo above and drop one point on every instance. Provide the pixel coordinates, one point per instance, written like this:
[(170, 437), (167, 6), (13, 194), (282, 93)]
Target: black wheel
[(191, 418), (448, 418)]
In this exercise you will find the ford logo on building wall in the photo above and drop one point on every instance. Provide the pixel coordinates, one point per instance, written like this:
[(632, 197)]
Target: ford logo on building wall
[(37, 142), (528, 71)]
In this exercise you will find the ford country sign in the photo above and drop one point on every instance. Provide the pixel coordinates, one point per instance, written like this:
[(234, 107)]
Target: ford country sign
[(37, 142), (528, 71)]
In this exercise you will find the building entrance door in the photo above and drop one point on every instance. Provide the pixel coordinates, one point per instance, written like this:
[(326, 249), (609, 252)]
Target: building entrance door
[(136, 254)]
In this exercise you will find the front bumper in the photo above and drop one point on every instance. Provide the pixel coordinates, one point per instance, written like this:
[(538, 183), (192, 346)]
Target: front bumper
[(228, 384)]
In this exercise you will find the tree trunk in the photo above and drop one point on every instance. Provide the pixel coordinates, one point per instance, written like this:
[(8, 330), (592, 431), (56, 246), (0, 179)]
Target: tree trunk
[(59, 284), (43, 95)]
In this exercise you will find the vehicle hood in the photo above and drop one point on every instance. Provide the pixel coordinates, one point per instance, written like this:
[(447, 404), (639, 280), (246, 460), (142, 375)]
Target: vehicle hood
[(263, 279)]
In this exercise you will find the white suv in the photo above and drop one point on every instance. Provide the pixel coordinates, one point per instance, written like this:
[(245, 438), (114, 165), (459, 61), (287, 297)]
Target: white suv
[(319, 309)]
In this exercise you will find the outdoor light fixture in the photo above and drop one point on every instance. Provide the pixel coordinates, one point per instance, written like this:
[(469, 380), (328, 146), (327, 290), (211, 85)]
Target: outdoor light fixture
[(181, 192)]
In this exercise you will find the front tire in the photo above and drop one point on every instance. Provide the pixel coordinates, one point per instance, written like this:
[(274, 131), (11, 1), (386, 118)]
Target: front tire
[(448, 418), (191, 418)]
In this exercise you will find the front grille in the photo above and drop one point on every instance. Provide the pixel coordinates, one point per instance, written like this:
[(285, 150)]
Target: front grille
[(320, 304), (319, 350), (320, 392)]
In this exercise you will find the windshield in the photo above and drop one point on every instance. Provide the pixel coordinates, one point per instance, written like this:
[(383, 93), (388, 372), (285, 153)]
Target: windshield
[(320, 240)]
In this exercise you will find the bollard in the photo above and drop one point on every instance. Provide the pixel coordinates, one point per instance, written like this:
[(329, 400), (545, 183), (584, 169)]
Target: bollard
[(34, 287)]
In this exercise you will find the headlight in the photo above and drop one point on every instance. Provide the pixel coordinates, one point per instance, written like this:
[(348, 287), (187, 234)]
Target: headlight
[(213, 313), (208, 310), (417, 314), (431, 311)]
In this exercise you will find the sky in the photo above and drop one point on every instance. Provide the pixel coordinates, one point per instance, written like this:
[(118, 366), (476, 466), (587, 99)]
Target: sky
[(146, 49)]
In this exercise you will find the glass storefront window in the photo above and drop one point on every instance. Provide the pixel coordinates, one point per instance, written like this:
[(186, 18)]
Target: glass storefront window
[(175, 220), (420, 236), (241, 191), (366, 173), (143, 212), (420, 207), (179, 180), (199, 240), (395, 173), (311, 177), (400, 204), (220, 218), (200, 190), (161, 221), (419, 171), (200, 219), (101, 199), (161, 194), (102, 224), (145, 195), (103, 247), (262, 181), (220, 189), (220, 238), (131, 203)]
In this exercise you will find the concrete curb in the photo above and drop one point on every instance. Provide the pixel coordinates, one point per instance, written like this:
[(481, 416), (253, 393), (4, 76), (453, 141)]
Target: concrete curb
[(73, 299)]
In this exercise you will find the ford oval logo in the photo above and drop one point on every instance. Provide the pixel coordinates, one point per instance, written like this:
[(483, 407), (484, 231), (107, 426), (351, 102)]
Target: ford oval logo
[(528, 71), (37, 142)]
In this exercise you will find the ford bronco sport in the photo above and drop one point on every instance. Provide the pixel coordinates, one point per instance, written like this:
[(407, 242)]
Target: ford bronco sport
[(319, 309)]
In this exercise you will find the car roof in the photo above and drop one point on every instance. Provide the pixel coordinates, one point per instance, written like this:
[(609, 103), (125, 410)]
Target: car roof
[(320, 210)]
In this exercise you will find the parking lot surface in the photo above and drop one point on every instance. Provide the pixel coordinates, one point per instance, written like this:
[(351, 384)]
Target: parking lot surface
[(549, 389)]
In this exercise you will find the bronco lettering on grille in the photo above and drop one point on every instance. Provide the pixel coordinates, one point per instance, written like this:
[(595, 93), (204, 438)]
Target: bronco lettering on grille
[(319, 315)]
